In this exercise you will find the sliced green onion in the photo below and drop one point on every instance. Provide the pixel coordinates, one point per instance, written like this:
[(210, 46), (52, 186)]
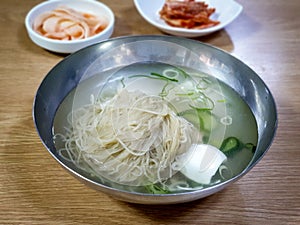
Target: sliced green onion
[(226, 120), (165, 90), (185, 74), (185, 94), (154, 76), (170, 73), (123, 82), (225, 172), (155, 189), (203, 84), (163, 77), (251, 147)]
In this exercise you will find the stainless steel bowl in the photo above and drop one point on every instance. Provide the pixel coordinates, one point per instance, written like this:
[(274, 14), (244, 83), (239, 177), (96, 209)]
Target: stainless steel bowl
[(123, 51)]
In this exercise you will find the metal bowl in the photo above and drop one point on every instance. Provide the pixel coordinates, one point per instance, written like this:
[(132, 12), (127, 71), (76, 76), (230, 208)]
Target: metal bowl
[(83, 64)]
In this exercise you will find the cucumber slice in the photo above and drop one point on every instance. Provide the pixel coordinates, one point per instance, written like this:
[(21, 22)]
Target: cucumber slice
[(204, 119), (230, 145)]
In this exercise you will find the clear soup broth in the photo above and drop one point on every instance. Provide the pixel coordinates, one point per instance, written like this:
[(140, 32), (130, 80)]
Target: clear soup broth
[(218, 113)]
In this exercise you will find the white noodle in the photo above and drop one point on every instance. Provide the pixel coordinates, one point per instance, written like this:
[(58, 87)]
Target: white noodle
[(132, 139)]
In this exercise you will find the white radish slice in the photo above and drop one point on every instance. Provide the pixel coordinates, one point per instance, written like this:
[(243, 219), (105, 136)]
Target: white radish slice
[(203, 164)]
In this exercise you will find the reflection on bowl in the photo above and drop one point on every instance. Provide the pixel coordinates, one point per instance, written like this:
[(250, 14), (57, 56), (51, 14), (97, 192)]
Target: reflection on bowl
[(189, 83), (69, 46)]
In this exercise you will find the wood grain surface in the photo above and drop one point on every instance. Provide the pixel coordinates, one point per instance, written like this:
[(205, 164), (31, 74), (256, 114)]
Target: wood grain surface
[(34, 189)]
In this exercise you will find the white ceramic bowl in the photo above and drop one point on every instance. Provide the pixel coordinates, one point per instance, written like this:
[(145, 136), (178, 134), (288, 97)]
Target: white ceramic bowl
[(226, 12), (62, 46)]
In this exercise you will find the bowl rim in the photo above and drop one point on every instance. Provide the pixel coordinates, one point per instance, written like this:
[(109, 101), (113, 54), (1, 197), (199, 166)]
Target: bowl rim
[(28, 25)]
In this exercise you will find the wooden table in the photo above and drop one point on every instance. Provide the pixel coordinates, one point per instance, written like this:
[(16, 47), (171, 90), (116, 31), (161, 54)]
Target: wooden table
[(34, 189)]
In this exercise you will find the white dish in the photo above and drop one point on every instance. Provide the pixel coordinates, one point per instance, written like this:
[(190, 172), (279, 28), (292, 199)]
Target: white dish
[(66, 46), (226, 12)]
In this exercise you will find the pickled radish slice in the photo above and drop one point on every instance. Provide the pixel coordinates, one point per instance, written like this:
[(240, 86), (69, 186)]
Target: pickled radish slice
[(64, 23)]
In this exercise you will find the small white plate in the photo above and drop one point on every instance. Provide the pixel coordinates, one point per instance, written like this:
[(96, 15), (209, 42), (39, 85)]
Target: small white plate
[(226, 12)]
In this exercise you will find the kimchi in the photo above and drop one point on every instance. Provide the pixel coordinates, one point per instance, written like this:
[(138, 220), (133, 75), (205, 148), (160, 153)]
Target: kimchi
[(188, 14)]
